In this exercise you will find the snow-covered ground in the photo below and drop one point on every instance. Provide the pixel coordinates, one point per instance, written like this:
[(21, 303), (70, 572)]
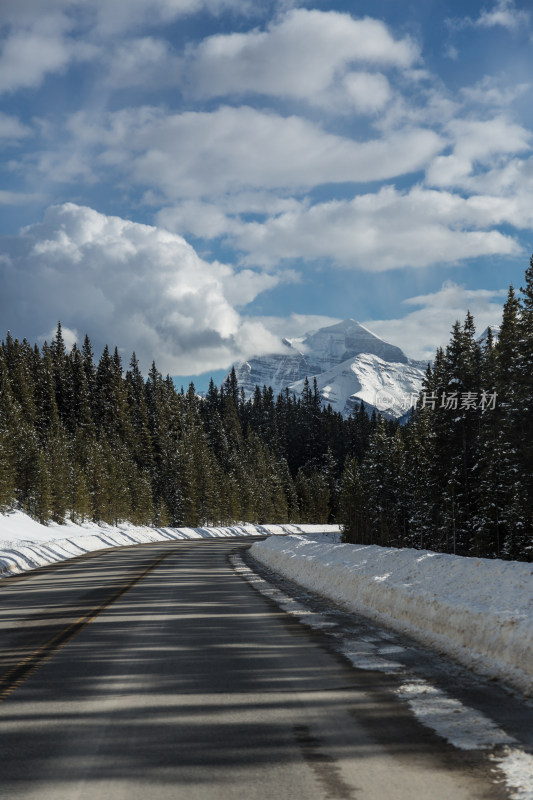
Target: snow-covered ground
[(25, 544), (479, 611)]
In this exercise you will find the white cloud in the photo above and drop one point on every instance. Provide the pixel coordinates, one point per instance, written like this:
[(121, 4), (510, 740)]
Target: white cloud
[(297, 324), (38, 48), (233, 149), (210, 220), (421, 331), (302, 55), (143, 61), (502, 195), (229, 173), (133, 285), (504, 14), (40, 39), (203, 220), (8, 198), (430, 107), (512, 183), (112, 17), (70, 165), (451, 52), (242, 287), (12, 129), (27, 55), (381, 231), (70, 336), (477, 142), (491, 92), (365, 92), (215, 170)]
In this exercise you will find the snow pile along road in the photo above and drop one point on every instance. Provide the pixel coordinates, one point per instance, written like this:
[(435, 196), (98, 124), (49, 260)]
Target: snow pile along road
[(479, 611), (26, 545)]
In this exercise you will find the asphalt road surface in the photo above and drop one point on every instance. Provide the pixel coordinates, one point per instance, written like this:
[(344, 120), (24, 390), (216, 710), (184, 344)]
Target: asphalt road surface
[(157, 672)]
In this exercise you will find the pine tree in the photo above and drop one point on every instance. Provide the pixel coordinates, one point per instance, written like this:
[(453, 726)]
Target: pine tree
[(7, 476), (422, 491), (39, 500), (352, 507), (80, 499), (18, 361), (377, 480), (62, 383), (320, 498), (8, 422), (231, 387), (303, 492), (90, 372), (139, 419), (525, 401), (505, 479), (47, 415), (111, 406), (97, 482), (56, 452), (291, 496), (329, 472), (79, 417)]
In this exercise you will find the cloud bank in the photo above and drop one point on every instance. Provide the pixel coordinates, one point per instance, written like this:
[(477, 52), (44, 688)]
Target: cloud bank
[(275, 137), (134, 285), (421, 331)]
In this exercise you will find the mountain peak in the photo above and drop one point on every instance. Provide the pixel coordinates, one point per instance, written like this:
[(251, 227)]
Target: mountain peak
[(354, 363), (348, 339), (494, 329)]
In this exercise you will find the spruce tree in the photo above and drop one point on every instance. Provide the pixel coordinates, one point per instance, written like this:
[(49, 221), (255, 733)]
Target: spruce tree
[(7, 473), (62, 383), (422, 490), (352, 507), (525, 401), (80, 499), (56, 451)]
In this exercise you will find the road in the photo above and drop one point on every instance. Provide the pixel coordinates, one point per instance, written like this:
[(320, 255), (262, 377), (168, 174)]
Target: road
[(158, 672)]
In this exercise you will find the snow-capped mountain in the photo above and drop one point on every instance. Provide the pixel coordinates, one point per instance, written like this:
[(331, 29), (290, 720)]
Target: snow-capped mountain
[(494, 329), (350, 363)]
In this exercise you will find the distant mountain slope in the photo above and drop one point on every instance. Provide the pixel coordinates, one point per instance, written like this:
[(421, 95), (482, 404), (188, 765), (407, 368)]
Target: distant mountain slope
[(350, 363), (389, 386), (494, 329)]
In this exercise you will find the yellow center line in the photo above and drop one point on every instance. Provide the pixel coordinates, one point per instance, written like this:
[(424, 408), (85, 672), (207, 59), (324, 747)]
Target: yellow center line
[(15, 676)]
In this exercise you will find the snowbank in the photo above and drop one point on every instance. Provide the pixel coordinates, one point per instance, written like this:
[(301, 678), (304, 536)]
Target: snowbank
[(25, 544), (479, 611)]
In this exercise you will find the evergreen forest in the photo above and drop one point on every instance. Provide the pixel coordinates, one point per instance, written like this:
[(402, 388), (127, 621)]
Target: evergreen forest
[(83, 438), (457, 478), (88, 439)]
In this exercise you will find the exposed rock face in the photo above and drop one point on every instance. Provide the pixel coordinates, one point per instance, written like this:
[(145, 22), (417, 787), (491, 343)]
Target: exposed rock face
[(350, 364)]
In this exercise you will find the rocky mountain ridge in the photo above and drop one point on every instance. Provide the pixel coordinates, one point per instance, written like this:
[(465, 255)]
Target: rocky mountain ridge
[(351, 365)]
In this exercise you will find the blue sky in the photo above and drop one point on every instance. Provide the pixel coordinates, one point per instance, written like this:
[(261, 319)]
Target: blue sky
[(193, 179)]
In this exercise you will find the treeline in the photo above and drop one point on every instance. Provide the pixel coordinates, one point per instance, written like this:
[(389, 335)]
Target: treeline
[(458, 477), (88, 440)]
